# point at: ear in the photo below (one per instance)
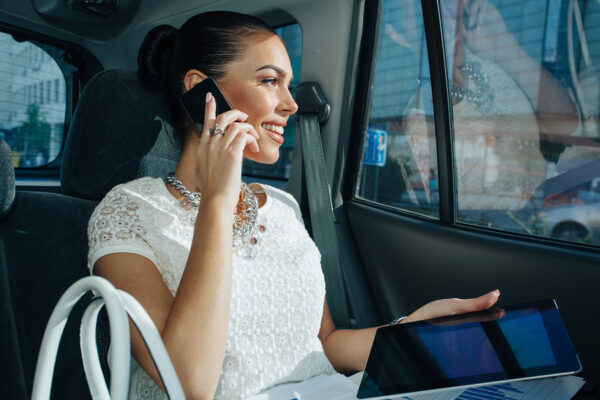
(192, 78)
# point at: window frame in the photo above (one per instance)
(86, 66)
(443, 122)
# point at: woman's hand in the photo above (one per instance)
(219, 157)
(441, 308)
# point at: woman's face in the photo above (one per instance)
(258, 84)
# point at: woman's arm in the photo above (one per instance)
(193, 325)
(348, 349)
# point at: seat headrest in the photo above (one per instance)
(7, 179)
(120, 131)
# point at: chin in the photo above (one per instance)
(263, 157)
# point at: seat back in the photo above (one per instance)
(43, 249)
(119, 132)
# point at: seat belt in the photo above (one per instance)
(313, 111)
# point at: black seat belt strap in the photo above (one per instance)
(314, 111)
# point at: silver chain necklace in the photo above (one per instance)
(191, 198)
(245, 218)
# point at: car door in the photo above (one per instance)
(464, 112)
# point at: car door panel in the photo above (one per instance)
(410, 262)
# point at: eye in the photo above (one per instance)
(270, 81)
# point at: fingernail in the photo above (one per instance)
(497, 292)
(208, 96)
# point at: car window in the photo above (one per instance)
(524, 86)
(524, 80)
(34, 83)
(292, 38)
(399, 164)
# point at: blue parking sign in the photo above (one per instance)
(376, 147)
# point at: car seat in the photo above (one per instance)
(43, 248)
(120, 131)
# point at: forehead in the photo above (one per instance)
(263, 50)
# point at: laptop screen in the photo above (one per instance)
(499, 344)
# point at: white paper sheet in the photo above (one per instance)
(321, 387)
(340, 387)
(559, 388)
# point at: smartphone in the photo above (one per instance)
(194, 100)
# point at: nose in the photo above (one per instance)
(288, 104)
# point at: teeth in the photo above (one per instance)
(274, 128)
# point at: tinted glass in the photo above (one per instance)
(525, 80)
(33, 98)
(399, 165)
(292, 38)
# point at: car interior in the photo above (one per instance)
(75, 121)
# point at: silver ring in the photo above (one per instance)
(215, 130)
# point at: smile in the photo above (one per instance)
(274, 128)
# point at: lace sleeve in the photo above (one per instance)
(115, 227)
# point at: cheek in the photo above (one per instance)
(252, 102)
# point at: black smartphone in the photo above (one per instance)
(194, 100)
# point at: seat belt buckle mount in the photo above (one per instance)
(311, 100)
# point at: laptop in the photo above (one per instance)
(494, 346)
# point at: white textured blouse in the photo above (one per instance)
(276, 298)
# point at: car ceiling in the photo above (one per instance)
(326, 35)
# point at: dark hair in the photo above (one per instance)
(207, 42)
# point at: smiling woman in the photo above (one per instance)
(240, 308)
(219, 311)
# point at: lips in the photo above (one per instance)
(274, 128)
(275, 132)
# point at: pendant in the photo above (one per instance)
(185, 203)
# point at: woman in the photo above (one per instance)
(234, 319)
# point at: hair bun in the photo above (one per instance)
(154, 53)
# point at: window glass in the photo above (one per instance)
(399, 165)
(31, 118)
(292, 38)
(525, 89)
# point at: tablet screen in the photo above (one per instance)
(514, 342)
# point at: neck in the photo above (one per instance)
(187, 169)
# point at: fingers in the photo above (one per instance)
(209, 115)
(229, 117)
(480, 303)
(223, 120)
(242, 140)
(492, 315)
(236, 127)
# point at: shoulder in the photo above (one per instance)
(120, 223)
(141, 186)
(125, 200)
(133, 191)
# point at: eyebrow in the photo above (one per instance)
(274, 68)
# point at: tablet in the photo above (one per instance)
(493, 346)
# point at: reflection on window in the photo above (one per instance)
(399, 166)
(31, 119)
(525, 89)
(292, 38)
